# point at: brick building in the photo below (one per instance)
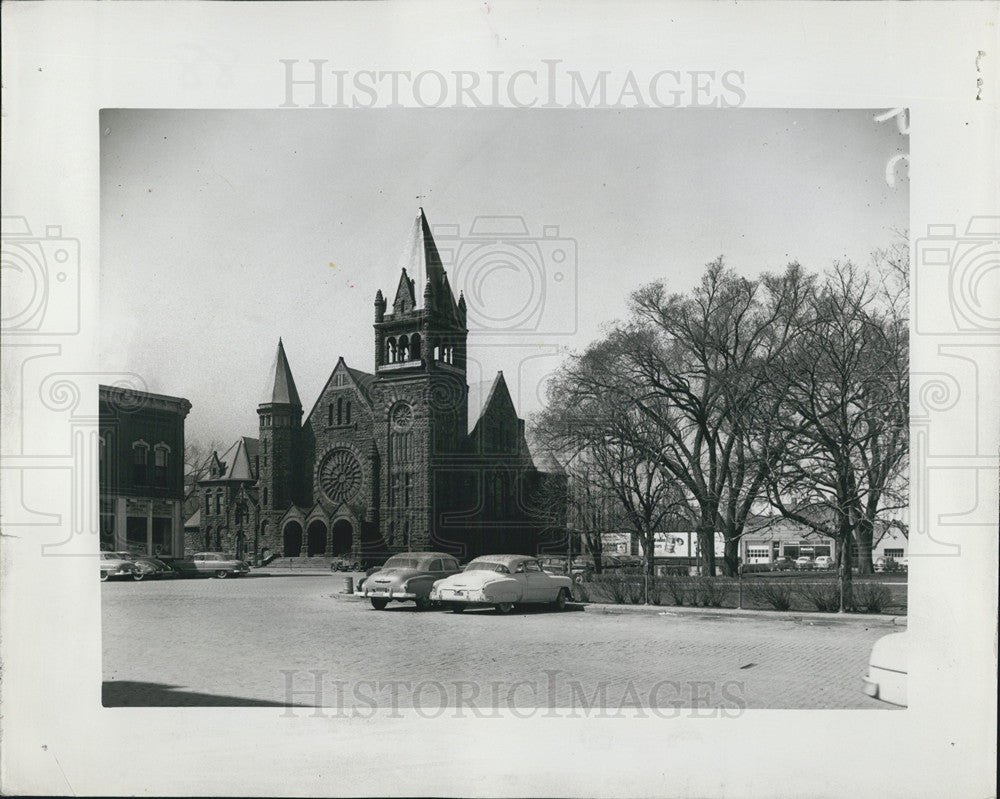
(408, 458)
(141, 471)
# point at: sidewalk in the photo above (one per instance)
(777, 615)
(870, 619)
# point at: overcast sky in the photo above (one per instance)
(223, 230)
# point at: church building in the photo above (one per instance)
(409, 458)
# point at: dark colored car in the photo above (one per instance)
(211, 564)
(147, 566)
(345, 565)
(408, 578)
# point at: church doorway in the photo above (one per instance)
(293, 540)
(317, 538)
(343, 537)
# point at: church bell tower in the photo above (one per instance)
(420, 380)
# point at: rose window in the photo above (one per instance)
(340, 475)
(402, 417)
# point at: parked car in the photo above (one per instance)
(825, 562)
(782, 564)
(503, 581)
(890, 564)
(553, 564)
(887, 670)
(630, 562)
(804, 563)
(345, 565)
(148, 566)
(408, 578)
(114, 565)
(217, 564)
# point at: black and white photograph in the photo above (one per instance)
(499, 400)
(653, 409)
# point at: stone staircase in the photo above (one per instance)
(303, 562)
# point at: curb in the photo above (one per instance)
(675, 610)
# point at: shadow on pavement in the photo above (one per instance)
(126, 693)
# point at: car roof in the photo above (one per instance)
(506, 560)
(424, 555)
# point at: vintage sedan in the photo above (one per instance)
(408, 578)
(148, 566)
(886, 678)
(211, 564)
(114, 565)
(503, 581)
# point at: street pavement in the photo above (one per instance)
(286, 640)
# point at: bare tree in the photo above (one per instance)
(843, 394)
(693, 368)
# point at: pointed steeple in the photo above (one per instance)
(421, 257)
(281, 388)
(432, 259)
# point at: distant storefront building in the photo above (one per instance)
(141, 471)
(770, 539)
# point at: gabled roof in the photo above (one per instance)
(281, 386)
(546, 463)
(239, 461)
(405, 301)
(362, 380)
(483, 395)
(194, 521)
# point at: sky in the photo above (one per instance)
(222, 231)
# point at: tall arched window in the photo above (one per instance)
(404, 349)
(390, 350)
(415, 347)
(340, 410)
(347, 412)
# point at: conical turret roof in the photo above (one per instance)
(281, 387)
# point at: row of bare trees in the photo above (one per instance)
(786, 393)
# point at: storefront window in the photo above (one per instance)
(135, 534)
(162, 538)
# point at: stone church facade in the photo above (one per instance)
(408, 458)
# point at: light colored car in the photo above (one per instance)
(805, 563)
(408, 578)
(825, 562)
(886, 678)
(502, 581)
(212, 564)
(114, 565)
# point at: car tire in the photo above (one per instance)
(561, 599)
(505, 608)
(137, 576)
(380, 604)
(222, 574)
(104, 577)
(457, 607)
(423, 603)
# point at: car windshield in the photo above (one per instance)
(487, 566)
(109, 556)
(402, 562)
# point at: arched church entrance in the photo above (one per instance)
(317, 538)
(293, 540)
(343, 537)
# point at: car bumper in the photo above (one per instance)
(388, 593)
(468, 597)
(885, 685)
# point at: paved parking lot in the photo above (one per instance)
(280, 640)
